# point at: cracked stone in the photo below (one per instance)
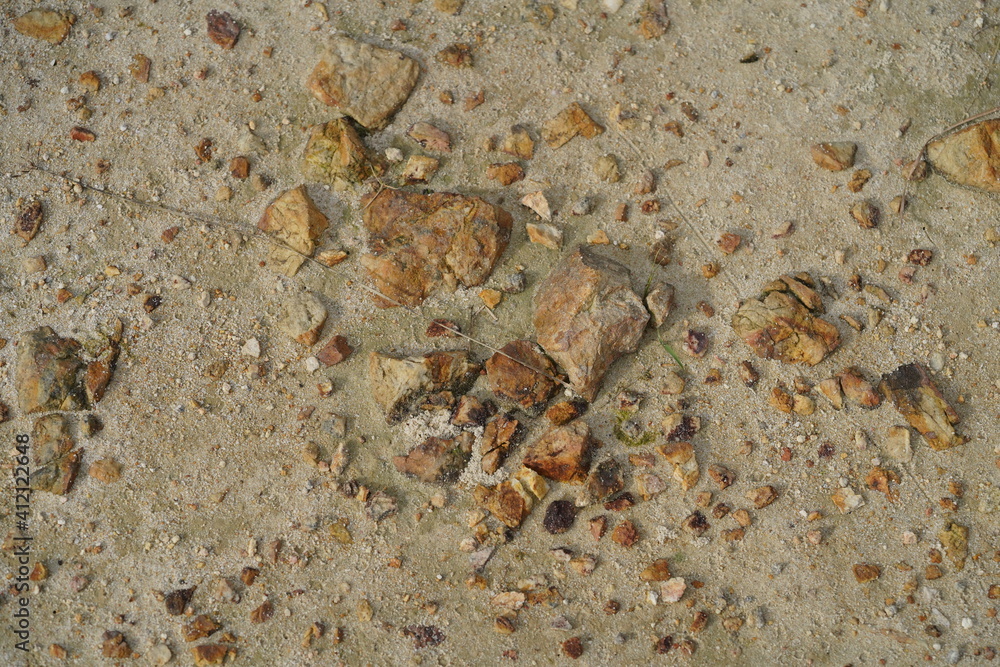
(563, 453)
(918, 399)
(335, 155)
(399, 383)
(437, 460)
(294, 220)
(515, 383)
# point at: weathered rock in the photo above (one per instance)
(177, 601)
(505, 173)
(835, 156)
(537, 202)
(970, 156)
(533, 482)
(398, 383)
(564, 412)
(606, 169)
(419, 169)
(955, 539)
(653, 20)
(696, 524)
(559, 517)
(430, 137)
(681, 456)
(335, 351)
(114, 645)
(866, 214)
(335, 155)
(508, 501)
(917, 398)
(45, 24)
(678, 426)
(211, 654)
(516, 383)
(865, 573)
(762, 496)
(518, 143)
(295, 221)
(302, 317)
(897, 443)
(625, 534)
(56, 462)
(499, 436)
(721, 475)
(563, 453)
(222, 29)
(421, 244)
(29, 219)
(365, 82)
(470, 411)
(604, 481)
(660, 301)
(857, 389)
(568, 123)
(847, 500)
(456, 55)
(437, 460)
(831, 390)
(781, 324)
(649, 485)
(107, 471)
(587, 316)
(549, 236)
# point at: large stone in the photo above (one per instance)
(437, 460)
(421, 244)
(365, 82)
(970, 156)
(45, 24)
(295, 221)
(918, 399)
(302, 317)
(336, 156)
(782, 323)
(515, 382)
(56, 461)
(587, 316)
(397, 383)
(52, 373)
(568, 123)
(563, 454)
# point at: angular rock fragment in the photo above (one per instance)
(29, 219)
(681, 456)
(559, 516)
(508, 501)
(604, 481)
(516, 383)
(518, 143)
(606, 169)
(505, 173)
(678, 427)
(865, 573)
(419, 169)
(201, 626)
(587, 316)
(302, 317)
(653, 20)
(570, 122)
(456, 55)
(782, 325)
(365, 82)
(831, 390)
(658, 571)
(114, 645)
(421, 244)
(897, 444)
(470, 411)
(398, 383)
(295, 221)
(857, 389)
(835, 156)
(917, 398)
(880, 479)
(430, 137)
(537, 202)
(177, 601)
(970, 156)
(335, 155)
(565, 412)
(499, 436)
(763, 496)
(625, 534)
(45, 24)
(866, 215)
(649, 485)
(549, 236)
(955, 539)
(335, 351)
(533, 482)
(721, 475)
(563, 454)
(222, 29)
(437, 460)
(847, 500)
(211, 654)
(56, 463)
(660, 301)
(107, 471)
(695, 523)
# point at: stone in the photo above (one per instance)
(564, 412)
(365, 82)
(44, 24)
(537, 202)
(649, 485)
(681, 456)
(113, 645)
(782, 324)
(296, 223)
(508, 501)
(678, 426)
(568, 123)
(847, 500)
(56, 462)
(969, 156)
(470, 411)
(422, 244)
(918, 399)
(449, 6)
(762, 496)
(210, 654)
(897, 443)
(302, 317)
(533, 482)
(159, 654)
(517, 384)
(606, 169)
(437, 460)
(604, 481)
(559, 517)
(625, 534)
(549, 236)
(430, 137)
(335, 351)
(239, 168)
(563, 453)
(660, 301)
(106, 470)
(456, 55)
(222, 29)
(505, 173)
(857, 389)
(34, 264)
(955, 538)
(201, 626)
(335, 155)
(721, 475)
(251, 348)
(653, 20)
(29, 220)
(586, 316)
(865, 214)
(831, 391)
(865, 573)
(499, 436)
(398, 383)
(177, 601)
(834, 156)
(419, 169)
(518, 143)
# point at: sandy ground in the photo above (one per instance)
(210, 466)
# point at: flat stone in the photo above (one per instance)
(570, 122)
(897, 443)
(834, 156)
(302, 317)
(918, 399)
(549, 236)
(563, 453)
(604, 481)
(537, 202)
(296, 222)
(422, 244)
(499, 437)
(783, 325)
(681, 456)
(419, 169)
(335, 351)
(430, 137)
(857, 389)
(660, 301)
(335, 155)
(970, 156)
(365, 82)
(587, 316)
(45, 24)
(398, 383)
(56, 462)
(437, 460)
(508, 501)
(29, 220)
(515, 383)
